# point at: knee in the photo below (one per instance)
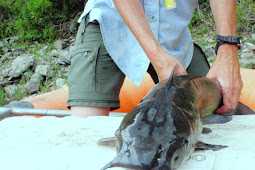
(84, 111)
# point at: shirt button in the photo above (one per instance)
(153, 18)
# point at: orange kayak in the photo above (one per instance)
(130, 94)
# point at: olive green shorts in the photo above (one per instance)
(95, 80)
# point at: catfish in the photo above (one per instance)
(163, 130)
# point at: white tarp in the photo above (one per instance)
(50, 143)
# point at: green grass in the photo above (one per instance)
(3, 100)
(203, 28)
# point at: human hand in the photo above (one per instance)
(226, 70)
(164, 64)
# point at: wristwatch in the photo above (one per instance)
(227, 40)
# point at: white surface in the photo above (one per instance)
(49, 143)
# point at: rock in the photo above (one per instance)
(253, 36)
(11, 90)
(5, 57)
(20, 65)
(43, 50)
(64, 57)
(45, 47)
(59, 44)
(247, 63)
(247, 55)
(10, 40)
(71, 39)
(73, 26)
(1, 44)
(249, 46)
(34, 84)
(246, 50)
(18, 51)
(7, 40)
(210, 51)
(13, 39)
(6, 49)
(54, 53)
(66, 69)
(5, 72)
(60, 83)
(43, 70)
(9, 54)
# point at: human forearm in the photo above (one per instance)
(133, 15)
(224, 12)
(226, 67)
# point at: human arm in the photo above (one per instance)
(226, 67)
(133, 15)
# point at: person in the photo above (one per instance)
(129, 37)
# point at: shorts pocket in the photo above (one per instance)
(82, 72)
(109, 77)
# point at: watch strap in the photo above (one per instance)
(226, 40)
(218, 44)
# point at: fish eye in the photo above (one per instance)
(185, 143)
(176, 158)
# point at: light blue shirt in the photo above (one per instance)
(170, 27)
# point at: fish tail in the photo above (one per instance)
(242, 109)
(202, 145)
(216, 119)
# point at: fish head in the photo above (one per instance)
(180, 151)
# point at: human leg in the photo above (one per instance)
(199, 64)
(94, 79)
(83, 111)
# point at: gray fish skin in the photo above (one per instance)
(163, 130)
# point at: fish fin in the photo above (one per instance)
(206, 130)
(242, 109)
(216, 119)
(202, 145)
(107, 141)
(160, 85)
(172, 76)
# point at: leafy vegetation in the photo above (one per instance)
(203, 18)
(246, 16)
(2, 97)
(35, 19)
(42, 19)
(203, 28)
